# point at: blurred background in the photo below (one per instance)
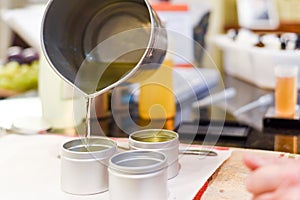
(203, 20)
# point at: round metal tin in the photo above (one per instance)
(162, 140)
(84, 165)
(138, 175)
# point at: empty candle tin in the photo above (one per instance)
(161, 140)
(84, 165)
(138, 174)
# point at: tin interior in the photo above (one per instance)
(88, 145)
(136, 162)
(154, 136)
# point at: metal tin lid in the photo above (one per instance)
(154, 138)
(138, 162)
(89, 148)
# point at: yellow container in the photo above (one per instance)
(157, 100)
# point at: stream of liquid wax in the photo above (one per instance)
(89, 101)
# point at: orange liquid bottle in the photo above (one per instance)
(286, 91)
(157, 100)
(286, 96)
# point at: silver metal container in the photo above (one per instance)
(161, 140)
(84, 165)
(96, 45)
(136, 175)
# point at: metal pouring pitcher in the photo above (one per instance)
(94, 45)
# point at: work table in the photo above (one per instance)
(228, 182)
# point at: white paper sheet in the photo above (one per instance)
(30, 169)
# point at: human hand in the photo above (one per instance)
(273, 178)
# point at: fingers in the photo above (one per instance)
(273, 178)
(253, 162)
(265, 196)
(263, 180)
(280, 194)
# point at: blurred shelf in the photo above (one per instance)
(283, 27)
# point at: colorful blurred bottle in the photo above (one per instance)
(157, 100)
(286, 90)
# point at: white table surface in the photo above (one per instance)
(30, 169)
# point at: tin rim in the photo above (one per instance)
(138, 162)
(105, 148)
(148, 133)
